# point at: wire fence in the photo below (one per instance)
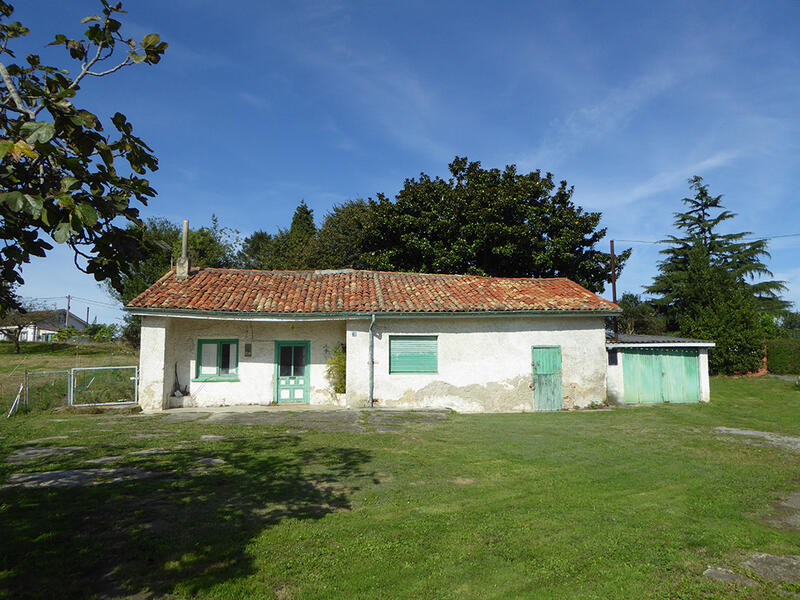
(45, 390)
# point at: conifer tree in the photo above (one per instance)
(700, 226)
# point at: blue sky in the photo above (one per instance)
(258, 105)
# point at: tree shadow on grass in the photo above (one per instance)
(189, 526)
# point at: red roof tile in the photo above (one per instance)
(350, 291)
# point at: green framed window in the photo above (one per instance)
(217, 360)
(413, 354)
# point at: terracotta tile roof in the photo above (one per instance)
(350, 291)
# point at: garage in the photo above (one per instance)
(644, 369)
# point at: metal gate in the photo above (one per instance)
(103, 386)
(81, 386)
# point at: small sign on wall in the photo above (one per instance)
(248, 349)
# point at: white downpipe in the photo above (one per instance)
(371, 363)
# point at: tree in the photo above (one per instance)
(639, 316)
(488, 222)
(712, 304)
(340, 240)
(699, 226)
(62, 176)
(100, 332)
(256, 251)
(292, 248)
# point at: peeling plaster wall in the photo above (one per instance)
(167, 342)
(484, 362)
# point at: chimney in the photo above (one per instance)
(182, 266)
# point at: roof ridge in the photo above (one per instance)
(348, 270)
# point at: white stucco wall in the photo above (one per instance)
(153, 386)
(615, 381)
(484, 362)
(705, 385)
(167, 342)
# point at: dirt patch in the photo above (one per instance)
(103, 460)
(26, 454)
(44, 440)
(75, 477)
(210, 437)
(147, 436)
(211, 462)
(765, 438)
(781, 568)
(179, 417)
(785, 513)
(723, 575)
(463, 481)
(150, 452)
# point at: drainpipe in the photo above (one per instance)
(371, 363)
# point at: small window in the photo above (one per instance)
(413, 354)
(217, 360)
(248, 349)
(612, 358)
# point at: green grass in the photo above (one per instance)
(626, 503)
(45, 356)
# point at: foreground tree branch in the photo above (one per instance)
(61, 175)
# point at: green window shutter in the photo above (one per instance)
(413, 354)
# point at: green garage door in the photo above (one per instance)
(654, 375)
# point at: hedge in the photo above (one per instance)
(783, 356)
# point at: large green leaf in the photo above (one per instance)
(62, 232)
(38, 132)
(5, 147)
(87, 214)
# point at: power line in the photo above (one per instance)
(747, 239)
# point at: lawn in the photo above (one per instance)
(624, 503)
(42, 356)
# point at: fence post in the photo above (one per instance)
(70, 386)
(26, 389)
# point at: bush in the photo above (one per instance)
(783, 356)
(337, 370)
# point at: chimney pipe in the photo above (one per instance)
(182, 266)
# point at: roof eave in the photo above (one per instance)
(176, 312)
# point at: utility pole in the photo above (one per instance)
(87, 315)
(614, 289)
(66, 317)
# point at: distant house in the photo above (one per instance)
(44, 324)
(412, 340)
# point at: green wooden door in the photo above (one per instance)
(654, 375)
(291, 372)
(546, 374)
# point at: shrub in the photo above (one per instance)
(783, 356)
(337, 370)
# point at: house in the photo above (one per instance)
(42, 325)
(214, 337)
(649, 369)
